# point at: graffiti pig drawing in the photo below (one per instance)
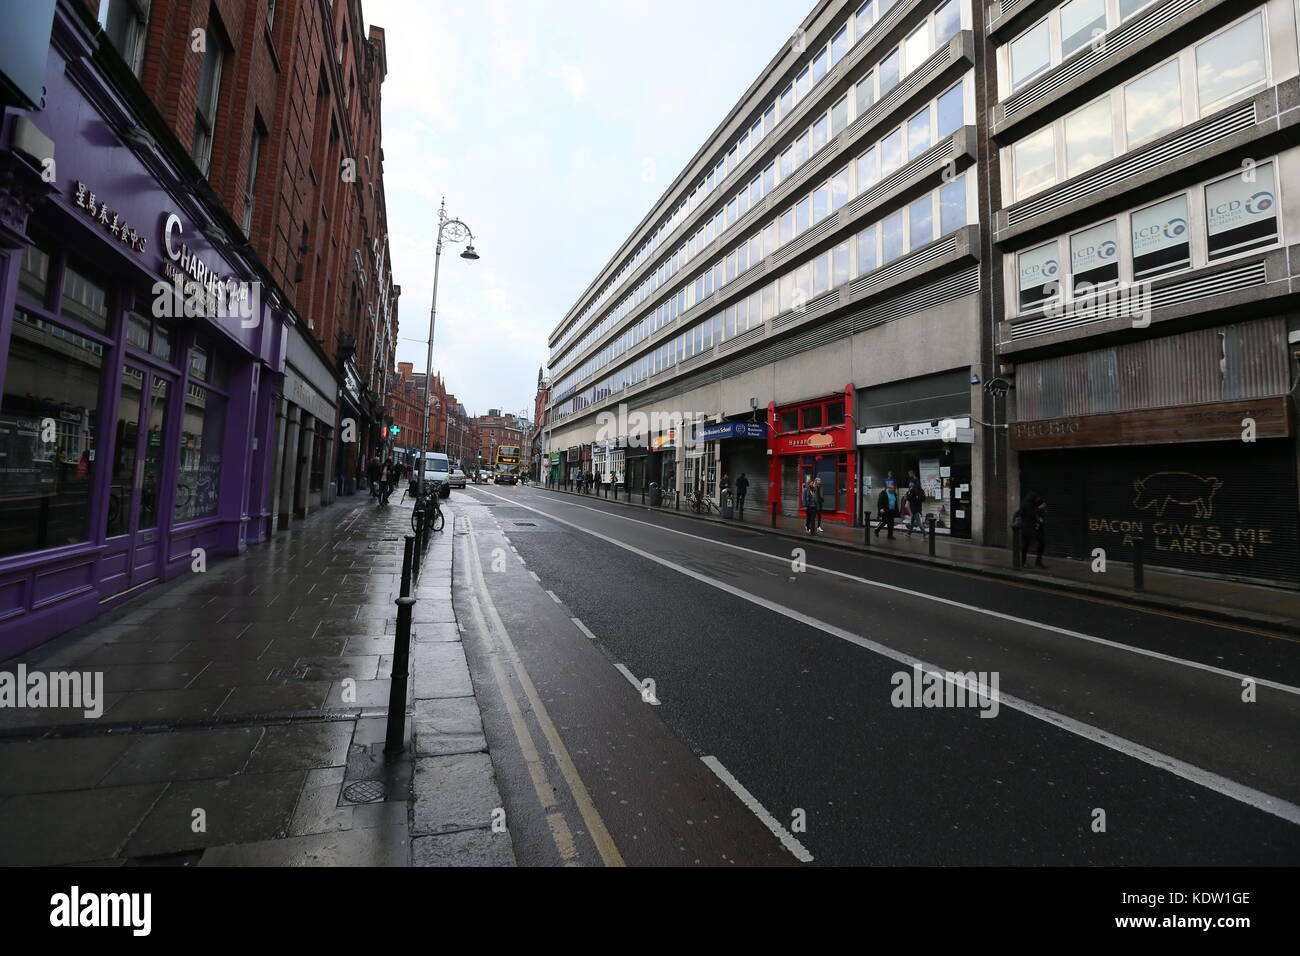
(1180, 487)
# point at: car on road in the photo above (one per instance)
(437, 472)
(503, 478)
(457, 478)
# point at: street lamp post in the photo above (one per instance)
(452, 230)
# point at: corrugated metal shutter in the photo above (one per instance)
(1216, 508)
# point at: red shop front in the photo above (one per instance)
(813, 439)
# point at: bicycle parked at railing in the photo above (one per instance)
(702, 505)
(426, 502)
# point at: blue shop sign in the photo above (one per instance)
(733, 430)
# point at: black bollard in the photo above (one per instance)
(1139, 572)
(930, 522)
(866, 530)
(1015, 548)
(395, 737)
(418, 543)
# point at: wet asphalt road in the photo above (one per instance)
(785, 676)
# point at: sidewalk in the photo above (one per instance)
(244, 716)
(1274, 608)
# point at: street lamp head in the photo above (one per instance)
(469, 252)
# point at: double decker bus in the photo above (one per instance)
(507, 464)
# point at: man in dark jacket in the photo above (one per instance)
(916, 504)
(821, 502)
(372, 475)
(742, 488)
(1031, 521)
(887, 506)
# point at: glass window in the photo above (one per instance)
(790, 421)
(864, 18)
(137, 331)
(50, 373)
(1039, 275)
(892, 235)
(84, 299)
(952, 205)
(868, 170)
(820, 131)
(1088, 137)
(769, 120)
(839, 115)
(801, 84)
(1035, 162)
(34, 274)
(1153, 104)
(891, 152)
(1160, 238)
(801, 212)
(866, 91)
(209, 91)
(840, 264)
(1031, 54)
(918, 133)
(947, 21)
(839, 44)
(819, 65)
(889, 72)
(920, 218)
(787, 100)
(867, 257)
(1231, 65)
(1129, 7)
(821, 202)
(916, 48)
(840, 189)
(801, 150)
(1094, 257)
(769, 178)
(1081, 20)
(951, 111)
(811, 417)
(1241, 212)
(821, 274)
(787, 226)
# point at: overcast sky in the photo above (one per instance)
(551, 126)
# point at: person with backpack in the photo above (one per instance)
(810, 506)
(887, 507)
(1031, 521)
(915, 498)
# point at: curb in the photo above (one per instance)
(1208, 611)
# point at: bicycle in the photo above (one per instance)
(427, 502)
(701, 505)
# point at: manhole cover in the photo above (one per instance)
(367, 791)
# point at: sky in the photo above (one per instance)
(551, 126)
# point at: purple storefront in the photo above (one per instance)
(133, 431)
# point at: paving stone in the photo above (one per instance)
(337, 668)
(441, 671)
(379, 846)
(90, 824)
(184, 755)
(277, 698)
(449, 726)
(68, 763)
(453, 793)
(163, 706)
(302, 746)
(466, 848)
(426, 633)
(362, 693)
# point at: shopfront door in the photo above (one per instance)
(138, 492)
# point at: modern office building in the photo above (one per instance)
(1146, 157)
(811, 294)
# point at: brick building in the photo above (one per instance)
(494, 430)
(278, 103)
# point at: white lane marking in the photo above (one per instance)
(535, 577)
(631, 679)
(554, 597)
(930, 598)
(1205, 778)
(583, 627)
(781, 833)
(521, 559)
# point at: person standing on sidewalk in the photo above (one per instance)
(887, 505)
(385, 481)
(916, 504)
(810, 506)
(820, 495)
(1031, 522)
(742, 488)
(372, 476)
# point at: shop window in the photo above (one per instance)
(1241, 213)
(203, 432)
(790, 421)
(84, 299)
(52, 376)
(835, 413)
(1094, 257)
(811, 417)
(34, 275)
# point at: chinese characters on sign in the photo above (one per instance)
(98, 210)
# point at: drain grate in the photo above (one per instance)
(366, 791)
(287, 673)
(525, 524)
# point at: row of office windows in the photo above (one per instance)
(928, 36)
(1199, 80)
(1189, 229)
(1062, 32)
(937, 213)
(936, 120)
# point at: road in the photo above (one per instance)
(660, 691)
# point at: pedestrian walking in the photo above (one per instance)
(1031, 521)
(742, 489)
(385, 481)
(820, 495)
(810, 507)
(915, 499)
(887, 507)
(372, 476)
